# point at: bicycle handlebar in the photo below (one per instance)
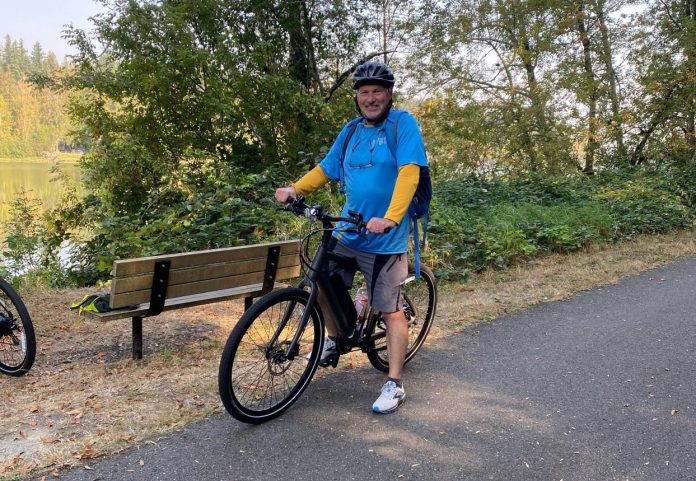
(316, 213)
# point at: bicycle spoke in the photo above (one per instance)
(261, 375)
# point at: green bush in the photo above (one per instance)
(481, 223)
(476, 223)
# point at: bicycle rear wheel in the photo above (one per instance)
(258, 379)
(17, 339)
(420, 302)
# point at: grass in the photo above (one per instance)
(86, 398)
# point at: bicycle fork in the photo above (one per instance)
(7, 321)
(293, 348)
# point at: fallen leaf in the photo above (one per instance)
(16, 461)
(23, 434)
(46, 440)
(674, 412)
(141, 462)
(27, 468)
(88, 452)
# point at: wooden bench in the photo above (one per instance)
(147, 286)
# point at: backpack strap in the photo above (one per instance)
(352, 125)
(419, 244)
(392, 139)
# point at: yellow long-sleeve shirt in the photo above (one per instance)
(405, 188)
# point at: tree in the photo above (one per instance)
(32, 120)
(665, 65)
(195, 108)
(591, 86)
(585, 73)
(499, 53)
(37, 58)
(606, 54)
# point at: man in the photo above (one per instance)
(380, 186)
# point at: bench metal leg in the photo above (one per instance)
(137, 337)
(248, 301)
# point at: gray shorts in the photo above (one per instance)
(384, 273)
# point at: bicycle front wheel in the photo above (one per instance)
(17, 339)
(259, 377)
(420, 302)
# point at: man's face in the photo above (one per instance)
(373, 101)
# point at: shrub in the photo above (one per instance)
(480, 223)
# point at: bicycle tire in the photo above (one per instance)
(420, 303)
(256, 383)
(17, 338)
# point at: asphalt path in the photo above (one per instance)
(597, 387)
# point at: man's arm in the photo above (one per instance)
(405, 188)
(310, 182)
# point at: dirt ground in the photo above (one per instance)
(85, 397)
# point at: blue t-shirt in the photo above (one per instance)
(370, 173)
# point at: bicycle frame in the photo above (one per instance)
(317, 278)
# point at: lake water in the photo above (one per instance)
(36, 179)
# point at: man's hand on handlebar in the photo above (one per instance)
(379, 225)
(285, 194)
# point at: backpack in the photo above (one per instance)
(420, 204)
(92, 303)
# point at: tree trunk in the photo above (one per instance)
(591, 84)
(690, 17)
(385, 28)
(606, 55)
(299, 56)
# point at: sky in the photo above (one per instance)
(43, 21)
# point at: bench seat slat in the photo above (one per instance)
(191, 288)
(185, 301)
(199, 273)
(144, 265)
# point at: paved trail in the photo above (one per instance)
(598, 387)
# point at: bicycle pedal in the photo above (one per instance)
(330, 361)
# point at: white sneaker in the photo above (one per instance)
(391, 398)
(329, 353)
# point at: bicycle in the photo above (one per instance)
(274, 350)
(17, 339)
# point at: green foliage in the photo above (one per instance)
(196, 110)
(203, 210)
(480, 223)
(30, 257)
(21, 248)
(642, 201)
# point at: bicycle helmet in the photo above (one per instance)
(370, 73)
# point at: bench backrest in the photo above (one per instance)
(202, 271)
